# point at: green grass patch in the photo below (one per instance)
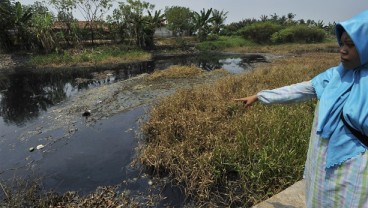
(224, 42)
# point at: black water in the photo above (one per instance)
(94, 156)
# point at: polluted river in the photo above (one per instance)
(78, 129)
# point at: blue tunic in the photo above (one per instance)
(344, 185)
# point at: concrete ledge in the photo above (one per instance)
(292, 197)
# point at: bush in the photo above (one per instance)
(212, 37)
(223, 42)
(260, 32)
(299, 33)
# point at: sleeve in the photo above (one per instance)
(288, 94)
(320, 81)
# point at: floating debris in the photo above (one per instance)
(128, 130)
(40, 146)
(86, 113)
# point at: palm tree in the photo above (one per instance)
(264, 18)
(290, 17)
(218, 20)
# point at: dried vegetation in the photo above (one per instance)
(23, 193)
(225, 155)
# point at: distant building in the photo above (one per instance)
(163, 32)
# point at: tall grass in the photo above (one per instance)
(227, 155)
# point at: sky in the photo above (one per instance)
(328, 11)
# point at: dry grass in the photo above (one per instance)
(224, 154)
(174, 41)
(22, 193)
(176, 72)
(295, 49)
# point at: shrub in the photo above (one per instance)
(299, 33)
(224, 42)
(212, 37)
(260, 32)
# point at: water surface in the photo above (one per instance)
(97, 155)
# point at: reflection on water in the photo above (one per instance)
(234, 63)
(26, 93)
(96, 155)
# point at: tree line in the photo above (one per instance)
(37, 29)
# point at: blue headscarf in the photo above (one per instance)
(346, 90)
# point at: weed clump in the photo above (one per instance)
(227, 155)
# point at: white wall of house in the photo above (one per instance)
(163, 32)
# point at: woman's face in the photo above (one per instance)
(349, 55)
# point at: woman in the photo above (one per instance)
(336, 170)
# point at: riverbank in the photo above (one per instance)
(189, 90)
(11, 61)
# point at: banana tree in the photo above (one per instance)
(21, 22)
(202, 22)
(14, 19)
(6, 24)
(42, 30)
(152, 22)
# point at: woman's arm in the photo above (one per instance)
(288, 94)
